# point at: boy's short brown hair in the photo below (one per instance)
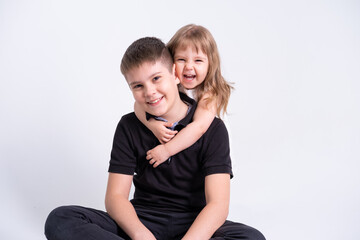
(147, 49)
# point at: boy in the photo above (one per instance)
(185, 198)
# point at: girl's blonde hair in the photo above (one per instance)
(215, 85)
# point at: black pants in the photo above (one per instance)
(75, 222)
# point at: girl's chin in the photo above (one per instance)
(188, 85)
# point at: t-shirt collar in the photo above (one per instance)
(186, 120)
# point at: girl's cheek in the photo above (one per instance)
(177, 70)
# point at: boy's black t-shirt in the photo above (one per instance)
(177, 185)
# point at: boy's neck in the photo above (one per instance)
(178, 111)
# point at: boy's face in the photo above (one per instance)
(154, 87)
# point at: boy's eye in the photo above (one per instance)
(198, 60)
(180, 60)
(156, 78)
(136, 86)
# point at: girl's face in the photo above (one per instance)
(191, 66)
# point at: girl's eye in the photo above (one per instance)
(180, 60)
(198, 60)
(156, 78)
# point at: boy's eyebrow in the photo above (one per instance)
(154, 74)
(134, 83)
(139, 82)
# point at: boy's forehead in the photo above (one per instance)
(146, 70)
(150, 67)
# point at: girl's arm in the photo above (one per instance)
(158, 128)
(203, 117)
(214, 214)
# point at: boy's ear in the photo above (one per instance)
(175, 75)
(177, 80)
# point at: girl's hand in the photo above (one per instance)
(161, 131)
(157, 155)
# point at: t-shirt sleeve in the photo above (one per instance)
(216, 154)
(123, 159)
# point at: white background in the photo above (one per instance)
(293, 118)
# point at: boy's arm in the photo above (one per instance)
(214, 214)
(121, 210)
(158, 128)
(203, 117)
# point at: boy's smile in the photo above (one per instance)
(154, 87)
(155, 102)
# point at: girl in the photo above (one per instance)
(197, 65)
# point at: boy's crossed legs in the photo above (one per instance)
(75, 222)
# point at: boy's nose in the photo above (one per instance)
(150, 90)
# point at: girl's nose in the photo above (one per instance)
(188, 65)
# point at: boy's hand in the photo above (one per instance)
(157, 155)
(161, 131)
(144, 236)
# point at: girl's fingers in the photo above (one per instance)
(171, 132)
(168, 124)
(166, 139)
